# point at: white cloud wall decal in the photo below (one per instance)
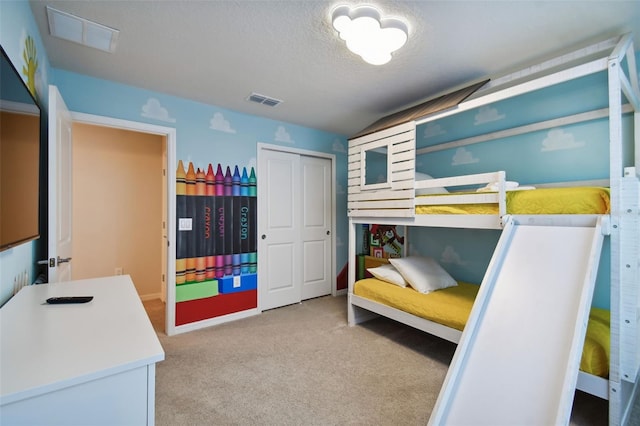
(449, 255)
(282, 135)
(462, 156)
(487, 114)
(432, 130)
(153, 109)
(557, 140)
(219, 123)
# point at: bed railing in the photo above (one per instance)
(495, 178)
(393, 191)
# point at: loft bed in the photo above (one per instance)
(395, 199)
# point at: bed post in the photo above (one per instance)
(351, 277)
(351, 273)
(625, 353)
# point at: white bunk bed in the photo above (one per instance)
(394, 201)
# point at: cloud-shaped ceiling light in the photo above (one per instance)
(369, 35)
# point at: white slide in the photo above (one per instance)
(518, 358)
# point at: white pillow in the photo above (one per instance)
(493, 186)
(425, 191)
(423, 273)
(389, 274)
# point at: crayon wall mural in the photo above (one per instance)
(216, 246)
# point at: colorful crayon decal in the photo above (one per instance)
(216, 238)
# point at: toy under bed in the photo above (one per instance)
(566, 200)
(451, 307)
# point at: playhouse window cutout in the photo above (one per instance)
(376, 166)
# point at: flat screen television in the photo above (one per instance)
(19, 159)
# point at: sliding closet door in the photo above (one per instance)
(295, 223)
(279, 245)
(316, 226)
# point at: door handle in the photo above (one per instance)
(63, 260)
(328, 232)
(51, 262)
(264, 237)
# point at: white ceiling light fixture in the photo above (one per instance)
(79, 30)
(368, 34)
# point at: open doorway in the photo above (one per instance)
(122, 208)
(118, 222)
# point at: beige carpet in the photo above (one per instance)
(302, 365)
(156, 312)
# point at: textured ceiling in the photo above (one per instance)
(218, 52)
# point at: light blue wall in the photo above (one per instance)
(573, 152)
(567, 153)
(16, 24)
(207, 133)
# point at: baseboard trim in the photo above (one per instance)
(215, 321)
(151, 296)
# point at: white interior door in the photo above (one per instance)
(279, 254)
(60, 173)
(317, 207)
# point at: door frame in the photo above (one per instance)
(169, 165)
(261, 148)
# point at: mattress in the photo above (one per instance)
(573, 200)
(452, 306)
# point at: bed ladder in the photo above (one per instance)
(518, 358)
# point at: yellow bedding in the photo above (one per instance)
(575, 200)
(595, 353)
(452, 306)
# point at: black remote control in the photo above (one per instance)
(69, 299)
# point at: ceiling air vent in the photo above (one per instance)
(264, 100)
(79, 30)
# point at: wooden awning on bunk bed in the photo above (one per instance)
(440, 103)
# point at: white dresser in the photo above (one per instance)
(78, 364)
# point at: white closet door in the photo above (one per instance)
(279, 243)
(295, 213)
(316, 226)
